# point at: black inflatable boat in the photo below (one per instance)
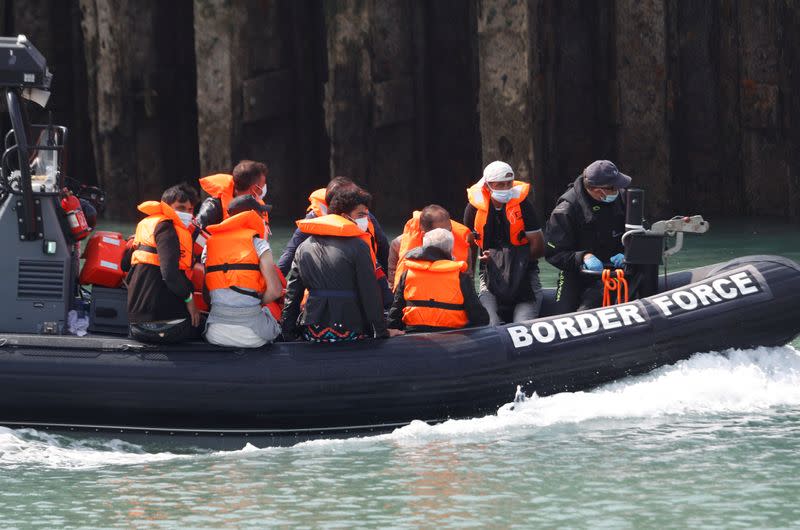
(301, 389)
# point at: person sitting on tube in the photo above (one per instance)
(318, 206)
(337, 266)
(509, 235)
(434, 292)
(241, 277)
(429, 218)
(248, 178)
(584, 233)
(161, 308)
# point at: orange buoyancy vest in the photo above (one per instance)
(433, 294)
(316, 202)
(220, 186)
(336, 225)
(231, 259)
(144, 241)
(480, 198)
(318, 205)
(412, 238)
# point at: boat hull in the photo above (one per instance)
(302, 389)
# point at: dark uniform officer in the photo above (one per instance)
(584, 232)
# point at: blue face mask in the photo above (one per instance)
(610, 198)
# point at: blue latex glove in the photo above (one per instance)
(618, 260)
(591, 263)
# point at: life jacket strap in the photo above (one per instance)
(434, 304)
(246, 292)
(146, 248)
(225, 267)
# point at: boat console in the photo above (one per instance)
(39, 259)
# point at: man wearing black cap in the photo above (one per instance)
(584, 232)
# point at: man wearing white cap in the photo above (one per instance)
(584, 232)
(509, 235)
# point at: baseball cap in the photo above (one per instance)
(603, 173)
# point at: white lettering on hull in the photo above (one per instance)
(678, 302)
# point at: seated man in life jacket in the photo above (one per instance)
(429, 218)
(584, 232)
(318, 206)
(510, 238)
(434, 292)
(161, 308)
(241, 277)
(248, 178)
(336, 264)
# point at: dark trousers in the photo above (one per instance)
(163, 333)
(577, 292)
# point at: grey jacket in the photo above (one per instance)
(340, 278)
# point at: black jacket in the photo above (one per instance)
(210, 212)
(158, 293)
(476, 313)
(579, 224)
(381, 241)
(340, 277)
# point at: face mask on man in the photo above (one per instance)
(502, 196)
(186, 218)
(610, 198)
(261, 194)
(363, 223)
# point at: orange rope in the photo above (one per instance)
(618, 285)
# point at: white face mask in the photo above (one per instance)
(363, 223)
(502, 196)
(186, 218)
(263, 191)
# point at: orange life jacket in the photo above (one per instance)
(433, 294)
(480, 198)
(231, 259)
(336, 225)
(220, 186)
(316, 202)
(144, 241)
(412, 238)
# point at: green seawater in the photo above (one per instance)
(711, 442)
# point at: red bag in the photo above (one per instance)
(103, 255)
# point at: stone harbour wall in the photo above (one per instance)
(698, 101)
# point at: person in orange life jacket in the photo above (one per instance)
(241, 277)
(336, 265)
(318, 206)
(248, 178)
(434, 292)
(507, 227)
(429, 218)
(182, 198)
(584, 232)
(160, 304)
